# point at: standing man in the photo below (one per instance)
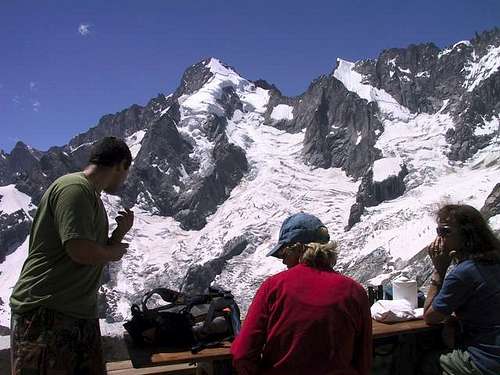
(308, 319)
(54, 303)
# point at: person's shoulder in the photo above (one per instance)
(349, 283)
(474, 267)
(346, 279)
(73, 184)
(355, 286)
(464, 271)
(72, 179)
(464, 267)
(281, 278)
(278, 276)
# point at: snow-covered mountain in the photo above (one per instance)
(371, 148)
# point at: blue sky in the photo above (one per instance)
(64, 64)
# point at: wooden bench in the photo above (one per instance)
(126, 368)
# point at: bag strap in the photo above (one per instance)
(168, 295)
(235, 318)
(217, 304)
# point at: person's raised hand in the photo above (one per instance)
(439, 255)
(125, 220)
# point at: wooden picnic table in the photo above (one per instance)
(161, 361)
(381, 330)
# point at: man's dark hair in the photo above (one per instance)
(479, 240)
(110, 151)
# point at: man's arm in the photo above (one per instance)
(74, 209)
(125, 220)
(91, 253)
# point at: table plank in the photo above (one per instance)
(126, 368)
(120, 365)
(156, 356)
(145, 357)
(208, 354)
(392, 329)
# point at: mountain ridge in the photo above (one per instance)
(373, 145)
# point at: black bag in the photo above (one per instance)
(188, 321)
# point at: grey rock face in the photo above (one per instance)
(262, 83)
(397, 72)
(194, 78)
(118, 125)
(421, 77)
(22, 168)
(14, 229)
(158, 166)
(23, 159)
(371, 193)
(476, 106)
(124, 123)
(230, 101)
(199, 277)
(492, 204)
(5, 175)
(340, 127)
(471, 111)
(214, 126)
(420, 267)
(377, 262)
(276, 98)
(230, 165)
(156, 178)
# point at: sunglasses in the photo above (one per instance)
(284, 251)
(443, 230)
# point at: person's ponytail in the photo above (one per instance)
(319, 255)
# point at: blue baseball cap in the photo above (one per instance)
(303, 228)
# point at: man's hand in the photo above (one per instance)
(117, 251)
(440, 256)
(125, 220)
(91, 253)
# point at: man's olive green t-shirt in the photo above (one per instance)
(70, 209)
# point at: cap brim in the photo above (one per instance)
(275, 249)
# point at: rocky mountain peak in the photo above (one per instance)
(219, 163)
(194, 78)
(23, 158)
(484, 40)
(262, 83)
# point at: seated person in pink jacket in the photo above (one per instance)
(308, 319)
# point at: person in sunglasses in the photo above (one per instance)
(308, 319)
(470, 291)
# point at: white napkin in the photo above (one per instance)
(397, 310)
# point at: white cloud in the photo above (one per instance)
(36, 105)
(33, 86)
(16, 100)
(84, 29)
